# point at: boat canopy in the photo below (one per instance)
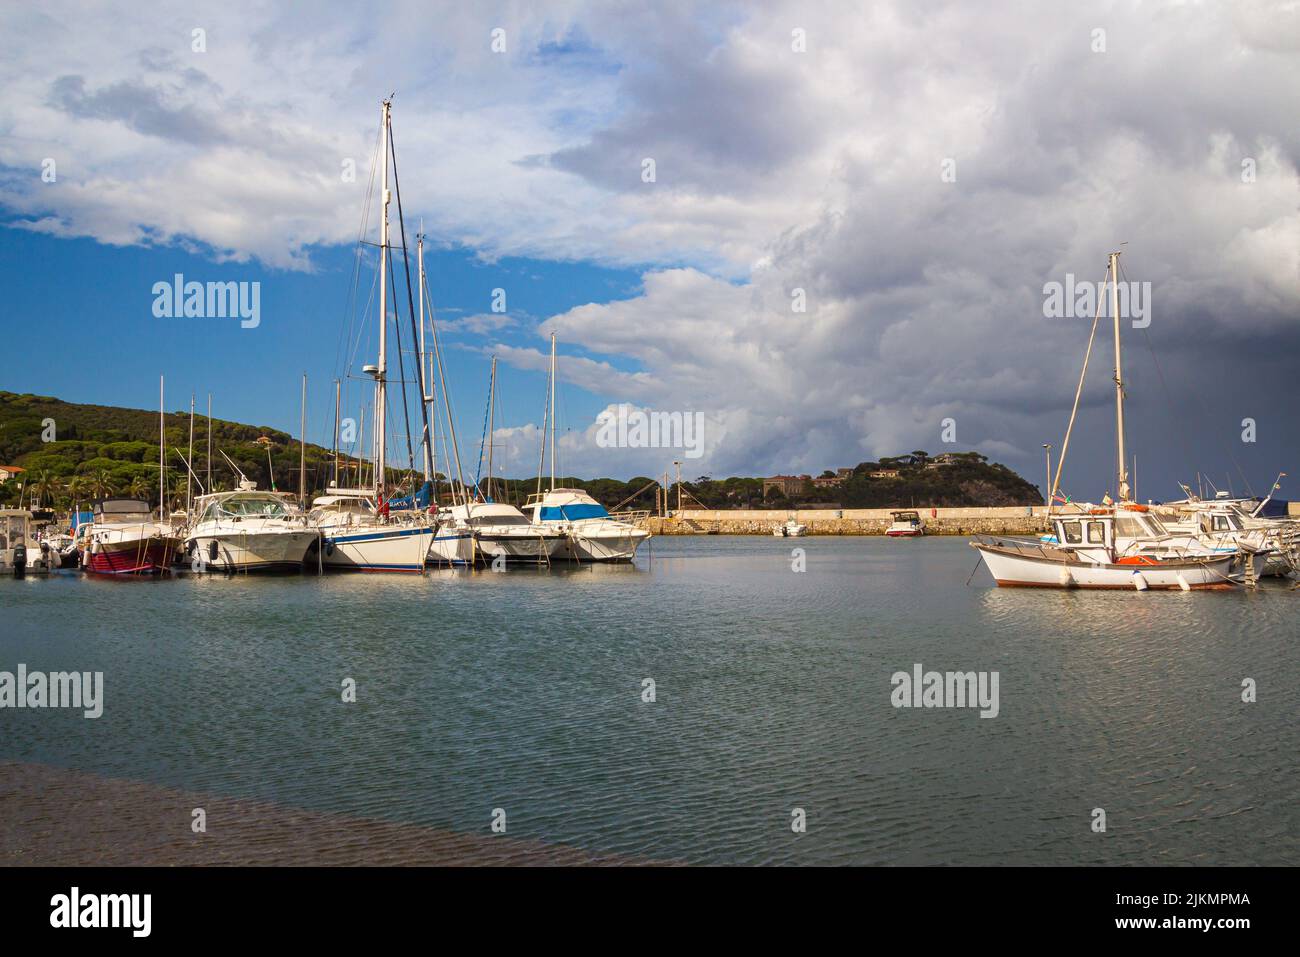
(419, 500)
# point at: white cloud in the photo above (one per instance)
(776, 170)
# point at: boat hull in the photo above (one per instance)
(250, 551)
(1013, 569)
(519, 549)
(601, 544)
(381, 549)
(451, 547)
(145, 556)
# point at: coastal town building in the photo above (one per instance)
(9, 471)
(884, 474)
(787, 485)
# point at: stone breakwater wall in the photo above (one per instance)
(1017, 520)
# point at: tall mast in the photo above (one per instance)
(337, 397)
(162, 461)
(451, 422)
(1122, 470)
(492, 395)
(552, 412)
(302, 453)
(425, 397)
(381, 396)
(209, 486)
(188, 470)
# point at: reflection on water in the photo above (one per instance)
(522, 690)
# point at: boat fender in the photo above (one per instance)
(1139, 582)
(1066, 578)
(1182, 582)
(212, 550)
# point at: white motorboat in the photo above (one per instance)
(790, 529)
(1275, 542)
(590, 533)
(906, 524)
(501, 531)
(248, 530)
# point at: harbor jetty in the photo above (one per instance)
(1004, 520)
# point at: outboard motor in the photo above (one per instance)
(20, 561)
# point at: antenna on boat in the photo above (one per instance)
(242, 477)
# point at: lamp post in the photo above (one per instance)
(1048, 498)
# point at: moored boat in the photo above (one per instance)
(248, 530)
(906, 524)
(126, 539)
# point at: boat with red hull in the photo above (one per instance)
(125, 539)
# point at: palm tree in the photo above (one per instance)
(139, 487)
(76, 488)
(101, 484)
(43, 486)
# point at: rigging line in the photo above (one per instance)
(355, 280)
(1065, 445)
(401, 364)
(410, 299)
(1205, 412)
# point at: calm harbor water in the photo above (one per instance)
(523, 691)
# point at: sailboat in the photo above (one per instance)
(361, 529)
(1119, 544)
(591, 533)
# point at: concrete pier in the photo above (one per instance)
(1013, 520)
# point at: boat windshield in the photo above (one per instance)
(485, 520)
(259, 507)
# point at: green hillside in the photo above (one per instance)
(102, 450)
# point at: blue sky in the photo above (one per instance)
(854, 214)
(82, 314)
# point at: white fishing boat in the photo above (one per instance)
(905, 524)
(248, 530)
(362, 529)
(790, 529)
(1116, 545)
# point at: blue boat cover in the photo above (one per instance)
(420, 500)
(572, 513)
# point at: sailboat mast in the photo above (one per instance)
(338, 395)
(162, 461)
(302, 453)
(552, 412)
(209, 486)
(492, 393)
(188, 470)
(424, 396)
(1122, 470)
(381, 397)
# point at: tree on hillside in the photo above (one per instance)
(100, 483)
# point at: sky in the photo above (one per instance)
(843, 252)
